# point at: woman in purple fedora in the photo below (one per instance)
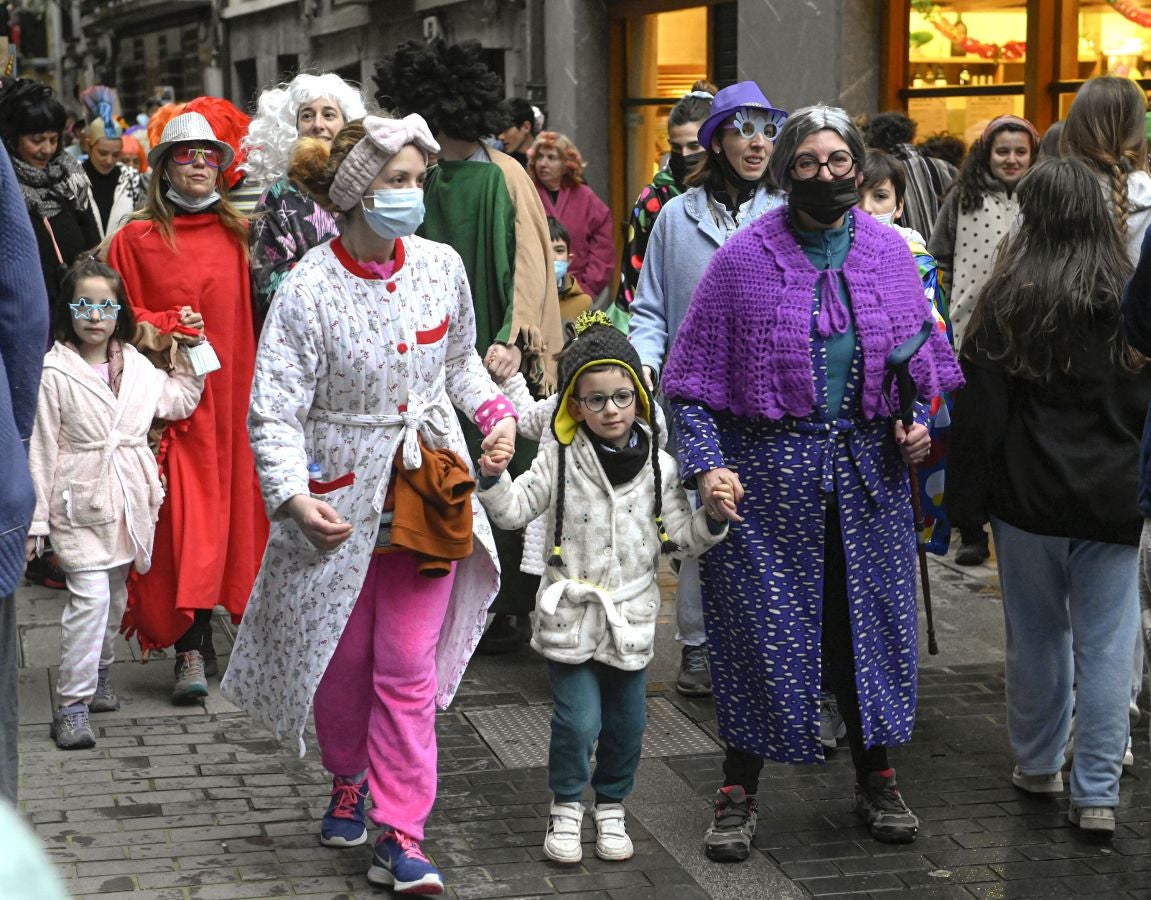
(776, 380)
(729, 188)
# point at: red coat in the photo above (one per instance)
(588, 221)
(212, 529)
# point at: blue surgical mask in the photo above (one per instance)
(887, 218)
(561, 266)
(396, 213)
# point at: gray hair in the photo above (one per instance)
(801, 125)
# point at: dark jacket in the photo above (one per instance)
(1137, 326)
(1054, 458)
(23, 337)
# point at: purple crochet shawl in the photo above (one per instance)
(745, 344)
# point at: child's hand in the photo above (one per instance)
(30, 545)
(724, 494)
(495, 460)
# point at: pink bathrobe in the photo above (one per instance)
(97, 489)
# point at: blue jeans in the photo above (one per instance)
(1072, 612)
(595, 702)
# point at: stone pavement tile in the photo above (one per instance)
(240, 890)
(185, 878)
(99, 884)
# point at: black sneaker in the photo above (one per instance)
(973, 554)
(694, 679)
(728, 839)
(888, 818)
(43, 570)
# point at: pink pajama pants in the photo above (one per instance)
(375, 707)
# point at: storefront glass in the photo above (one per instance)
(967, 60)
(966, 63)
(666, 53)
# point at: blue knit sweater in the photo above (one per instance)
(23, 340)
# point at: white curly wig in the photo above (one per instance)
(273, 131)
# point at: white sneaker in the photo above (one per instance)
(1038, 784)
(611, 840)
(1128, 756)
(562, 842)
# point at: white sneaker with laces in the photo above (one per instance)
(562, 842)
(611, 840)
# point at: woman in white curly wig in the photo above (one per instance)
(289, 222)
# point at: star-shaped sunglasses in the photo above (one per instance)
(85, 306)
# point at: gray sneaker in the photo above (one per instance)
(832, 728)
(888, 818)
(728, 839)
(694, 679)
(105, 699)
(71, 729)
(191, 684)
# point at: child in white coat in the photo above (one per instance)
(98, 491)
(613, 502)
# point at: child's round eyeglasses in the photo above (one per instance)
(83, 308)
(185, 156)
(596, 402)
(806, 166)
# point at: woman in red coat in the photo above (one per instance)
(556, 167)
(184, 260)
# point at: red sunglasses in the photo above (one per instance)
(185, 156)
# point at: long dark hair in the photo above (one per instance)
(1060, 276)
(64, 325)
(975, 178)
(1106, 129)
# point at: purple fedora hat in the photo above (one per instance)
(744, 95)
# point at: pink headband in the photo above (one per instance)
(383, 140)
(999, 121)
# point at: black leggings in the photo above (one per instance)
(199, 633)
(838, 654)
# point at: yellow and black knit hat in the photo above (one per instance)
(599, 343)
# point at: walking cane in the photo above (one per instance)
(899, 371)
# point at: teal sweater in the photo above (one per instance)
(828, 250)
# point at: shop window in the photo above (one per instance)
(666, 53)
(966, 62)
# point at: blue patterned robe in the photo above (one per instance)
(763, 585)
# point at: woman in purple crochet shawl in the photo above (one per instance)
(776, 375)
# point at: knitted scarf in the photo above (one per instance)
(46, 191)
(745, 345)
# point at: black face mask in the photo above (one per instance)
(745, 187)
(824, 201)
(679, 165)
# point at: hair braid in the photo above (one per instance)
(666, 544)
(1118, 177)
(556, 559)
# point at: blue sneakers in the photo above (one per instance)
(343, 824)
(400, 863)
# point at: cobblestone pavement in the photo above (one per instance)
(198, 804)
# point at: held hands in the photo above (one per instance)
(720, 492)
(320, 523)
(503, 361)
(499, 447)
(189, 319)
(30, 546)
(914, 442)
